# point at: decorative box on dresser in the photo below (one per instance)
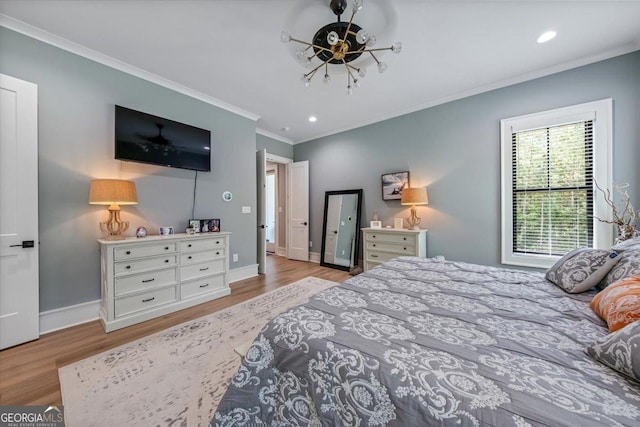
(156, 275)
(383, 244)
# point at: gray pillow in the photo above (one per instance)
(620, 350)
(581, 269)
(628, 265)
(627, 244)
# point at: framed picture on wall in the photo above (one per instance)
(393, 184)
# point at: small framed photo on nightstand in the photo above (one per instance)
(376, 224)
(397, 223)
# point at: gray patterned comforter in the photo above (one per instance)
(418, 342)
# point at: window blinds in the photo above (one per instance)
(552, 171)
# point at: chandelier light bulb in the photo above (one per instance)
(300, 53)
(349, 90)
(326, 79)
(362, 37)
(285, 37)
(371, 41)
(357, 5)
(307, 82)
(362, 72)
(382, 67)
(333, 38)
(397, 47)
(356, 83)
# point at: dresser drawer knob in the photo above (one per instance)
(404, 249)
(166, 260)
(217, 253)
(404, 238)
(128, 267)
(189, 257)
(204, 269)
(148, 280)
(149, 299)
(189, 245)
(204, 286)
(166, 248)
(374, 245)
(128, 252)
(374, 256)
(373, 236)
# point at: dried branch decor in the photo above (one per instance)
(624, 219)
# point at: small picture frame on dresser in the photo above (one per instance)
(398, 223)
(165, 231)
(375, 224)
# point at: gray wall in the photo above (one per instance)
(273, 146)
(76, 125)
(454, 150)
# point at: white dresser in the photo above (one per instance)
(383, 244)
(156, 275)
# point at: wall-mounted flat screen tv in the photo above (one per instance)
(143, 138)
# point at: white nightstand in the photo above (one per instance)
(383, 244)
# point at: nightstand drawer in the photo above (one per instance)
(144, 301)
(196, 245)
(128, 252)
(400, 250)
(139, 282)
(201, 270)
(201, 286)
(194, 257)
(391, 238)
(144, 264)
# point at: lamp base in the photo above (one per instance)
(114, 226)
(413, 220)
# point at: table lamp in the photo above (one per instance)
(113, 193)
(413, 197)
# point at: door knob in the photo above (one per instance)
(24, 244)
(304, 223)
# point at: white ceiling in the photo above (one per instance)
(229, 51)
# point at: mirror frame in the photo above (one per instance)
(327, 194)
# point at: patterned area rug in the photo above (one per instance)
(175, 377)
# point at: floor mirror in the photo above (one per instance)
(341, 229)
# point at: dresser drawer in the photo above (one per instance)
(194, 257)
(144, 301)
(196, 245)
(201, 270)
(139, 282)
(144, 264)
(376, 256)
(201, 286)
(391, 238)
(406, 250)
(128, 252)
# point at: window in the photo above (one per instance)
(549, 161)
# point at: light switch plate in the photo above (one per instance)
(246, 209)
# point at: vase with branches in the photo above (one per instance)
(624, 218)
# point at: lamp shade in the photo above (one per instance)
(112, 191)
(414, 196)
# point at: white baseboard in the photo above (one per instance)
(65, 317)
(314, 257)
(242, 273)
(280, 251)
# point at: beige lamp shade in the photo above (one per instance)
(414, 196)
(112, 192)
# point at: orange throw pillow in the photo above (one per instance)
(619, 303)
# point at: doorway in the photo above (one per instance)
(271, 202)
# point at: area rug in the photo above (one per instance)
(175, 377)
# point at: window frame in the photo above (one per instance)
(601, 112)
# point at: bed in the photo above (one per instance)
(420, 342)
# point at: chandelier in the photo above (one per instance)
(339, 43)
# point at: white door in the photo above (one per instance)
(19, 305)
(298, 211)
(261, 178)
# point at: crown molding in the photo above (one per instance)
(620, 50)
(274, 136)
(85, 52)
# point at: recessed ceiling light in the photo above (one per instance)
(285, 129)
(546, 36)
(312, 119)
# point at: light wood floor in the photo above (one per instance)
(29, 372)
